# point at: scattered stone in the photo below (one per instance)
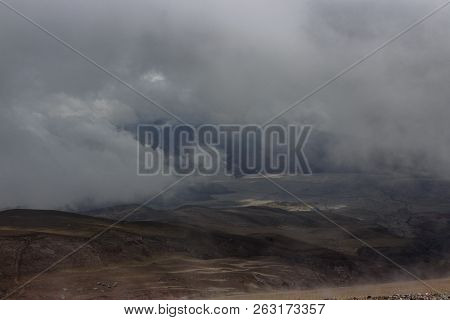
(108, 285)
(412, 296)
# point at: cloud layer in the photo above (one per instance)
(64, 135)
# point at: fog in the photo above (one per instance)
(66, 128)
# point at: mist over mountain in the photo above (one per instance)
(67, 134)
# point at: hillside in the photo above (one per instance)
(198, 252)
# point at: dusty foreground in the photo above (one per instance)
(411, 290)
(197, 252)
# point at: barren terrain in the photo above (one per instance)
(199, 252)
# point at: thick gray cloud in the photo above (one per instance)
(61, 120)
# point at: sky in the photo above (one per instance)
(65, 137)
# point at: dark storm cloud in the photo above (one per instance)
(61, 119)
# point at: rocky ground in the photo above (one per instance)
(412, 296)
(398, 290)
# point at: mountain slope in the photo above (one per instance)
(200, 252)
